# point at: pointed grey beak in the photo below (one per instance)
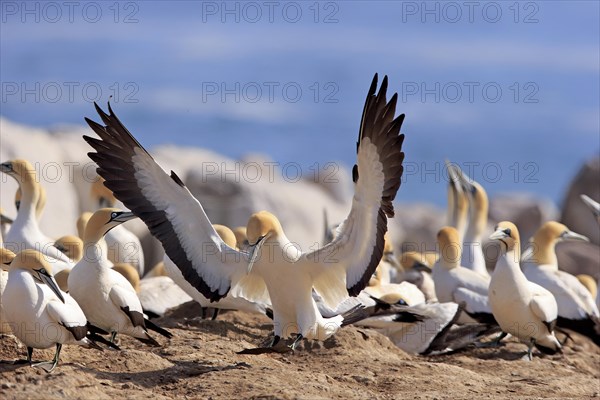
(572, 236)
(454, 175)
(6, 168)
(124, 216)
(498, 234)
(49, 280)
(254, 249)
(594, 206)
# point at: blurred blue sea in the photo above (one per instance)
(508, 90)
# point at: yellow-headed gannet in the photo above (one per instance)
(40, 315)
(458, 202)
(417, 270)
(107, 298)
(6, 257)
(123, 245)
(576, 307)
(25, 232)
(521, 308)
(472, 252)
(341, 268)
(459, 284)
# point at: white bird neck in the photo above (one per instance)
(30, 195)
(94, 253)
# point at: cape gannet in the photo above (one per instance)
(522, 308)
(458, 202)
(40, 315)
(576, 307)
(6, 257)
(106, 297)
(417, 270)
(459, 284)
(178, 220)
(123, 245)
(472, 252)
(25, 232)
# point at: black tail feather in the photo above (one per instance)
(355, 314)
(152, 326)
(586, 327)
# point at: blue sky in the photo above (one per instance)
(508, 88)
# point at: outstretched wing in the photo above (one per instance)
(345, 265)
(164, 203)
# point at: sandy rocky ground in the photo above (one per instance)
(201, 362)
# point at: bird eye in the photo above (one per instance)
(43, 271)
(113, 215)
(507, 231)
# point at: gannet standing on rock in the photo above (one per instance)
(459, 284)
(277, 268)
(522, 308)
(25, 232)
(107, 298)
(576, 307)
(6, 257)
(39, 314)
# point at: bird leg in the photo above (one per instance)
(113, 336)
(530, 349)
(20, 361)
(298, 338)
(275, 340)
(204, 310)
(215, 313)
(52, 363)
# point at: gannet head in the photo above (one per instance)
(102, 195)
(449, 247)
(226, 235)
(19, 169)
(589, 283)
(262, 226)
(36, 264)
(552, 232)
(394, 299)
(6, 257)
(103, 220)
(414, 260)
(71, 246)
(508, 234)
(240, 237)
(130, 273)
